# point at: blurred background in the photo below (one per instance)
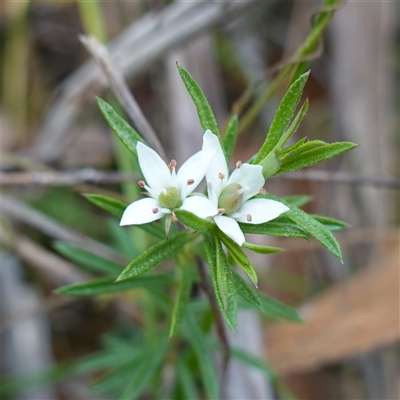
(51, 128)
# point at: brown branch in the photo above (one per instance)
(219, 322)
(89, 175)
(120, 88)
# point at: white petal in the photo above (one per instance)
(230, 227)
(249, 177)
(193, 169)
(200, 206)
(154, 169)
(260, 210)
(141, 212)
(217, 164)
(212, 195)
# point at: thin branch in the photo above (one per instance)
(219, 322)
(120, 88)
(19, 211)
(342, 177)
(141, 44)
(93, 176)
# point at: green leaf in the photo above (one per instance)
(274, 229)
(128, 136)
(113, 206)
(246, 291)
(187, 380)
(253, 361)
(117, 208)
(276, 309)
(291, 153)
(87, 259)
(185, 276)
(314, 156)
(294, 125)
(198, 340)
(195, 222)
(271, 163)
(154, 255)
(108, 285)
(145, 370)
(239, 256)
(282, 117)
(262, 249)
(311, 226)
(210, 241)
(332, 224)
(297, 200)
(204, 111)
(293, 147)
(226, 285)
(230, 137)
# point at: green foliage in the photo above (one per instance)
(155, 255)
(108, 285)
(202, 352)
(88, 260)
(262, 249)
(312, 227)
(185, 280)
(332, 224)
(128, 136)
(276, 137)
(304, 156)
(274, 229)
(192, 221)
(239, 257)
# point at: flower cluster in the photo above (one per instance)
(230, 198)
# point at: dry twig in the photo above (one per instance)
(89, 175)
(120, 89)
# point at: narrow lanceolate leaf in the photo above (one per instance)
(246, 291)
(145, 370)
(332, 224)
(87, 259)
(204, 111)
(185, 276)
(276, 309)
(311, 226)
(253, 361)
(113, 206)
(294, 125)
(226, 285)
(274, 229)
(128, 136)
(193, 221)
(262, 249)
(202, 352)
(294, 146)
(230, 137)
(187, 380)
(117, 208)
(282, 116)
(315, 156)
(154, 255)
(239, 256)
(271, 163)
(292, 152)
(108, 285)
(211, 250)
(297, 200)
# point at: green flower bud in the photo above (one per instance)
(230, 198)
(170, 198)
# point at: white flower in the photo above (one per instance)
(231, 196)
(168, 190)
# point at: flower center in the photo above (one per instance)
(170, 198)
(230, 198)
